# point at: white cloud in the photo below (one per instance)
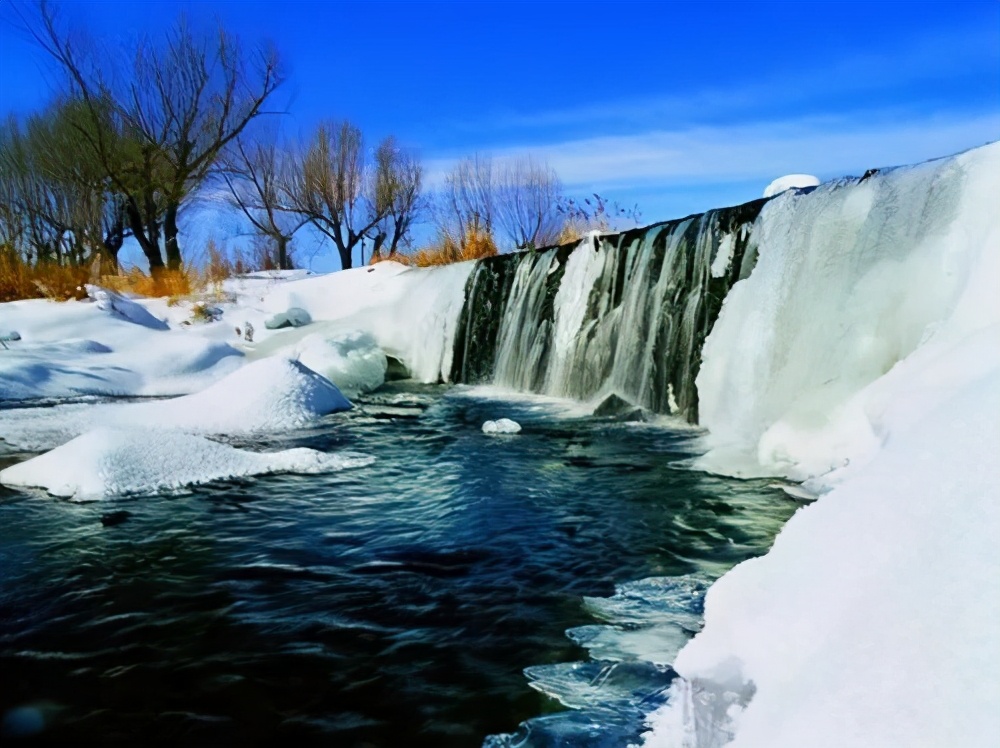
(828, 147)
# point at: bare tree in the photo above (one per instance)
(527, 194)
(516, 198)
(468, 199)
(346, 199)
(57, 204)
(181, 102)
(396, 186)
(259, 176)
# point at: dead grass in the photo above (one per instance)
(20, 280)
(474, 245)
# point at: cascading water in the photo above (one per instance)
(622, 314)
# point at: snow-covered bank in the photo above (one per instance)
(274, 394)
(862, 354)
(411, 313)
(873, 620)
(116, 346)
(114, 462)
(79, 348)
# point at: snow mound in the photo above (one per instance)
(352, 361)
(272, 394)
(113, 462)
(118, 305)
(868, 622)
(789, 182)
(501, 426)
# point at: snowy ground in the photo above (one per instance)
(862, 357)
(221, 381)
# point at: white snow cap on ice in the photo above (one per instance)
(790, 181)
(352, 360)
(110, 462)
(501, 426)
(272, 394)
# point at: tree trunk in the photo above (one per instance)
(149, 243)
(170, 238)
(283, 263)
(345, 257)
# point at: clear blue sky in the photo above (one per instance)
(676, 106)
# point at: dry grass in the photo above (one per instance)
(474, 245)
(173, 283)
(20, 280)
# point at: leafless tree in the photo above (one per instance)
(516, 198)
(57, 202)
(174, 109)
(397, 196)
(527, 194)
(258, 173)
(348, 200)
(468, 199)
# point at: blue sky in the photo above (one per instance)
(678, 107)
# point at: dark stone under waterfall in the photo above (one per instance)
(651, 300)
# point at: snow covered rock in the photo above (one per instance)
(292, 317)
(352, 361)
(789, 182)
(501, 426)
(112, 462)
(118, 305)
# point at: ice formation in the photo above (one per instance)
(790, 182)
(112, 462)
(352, 361)
(862, 353)
(501, 426)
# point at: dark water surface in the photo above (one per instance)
(392, 605)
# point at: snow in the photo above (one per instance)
(789, 182)
(352, 361)
(272, 394)
(872, 621)
(862, 355)
(411, 313)
(501, 426)
(75, 348)
(126, 309)
(112, 462)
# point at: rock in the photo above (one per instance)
(292, 317)
(115, 518)
(501, 426)
(396, 370)
(620, 409)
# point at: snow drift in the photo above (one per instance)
(111, 462)
(273, 394)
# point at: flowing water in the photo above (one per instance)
(457, 587)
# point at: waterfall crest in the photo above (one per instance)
(622, 313)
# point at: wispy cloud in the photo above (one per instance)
(826, 146)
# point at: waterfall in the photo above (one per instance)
(622, 314)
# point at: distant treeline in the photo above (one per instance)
(122, 148)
